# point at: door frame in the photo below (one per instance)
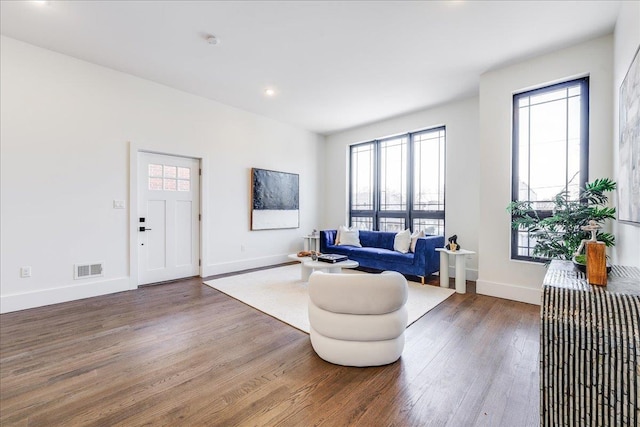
(134, 149)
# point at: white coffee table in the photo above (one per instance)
(308, 266)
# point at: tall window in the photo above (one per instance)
(550, 150)
(398, 183)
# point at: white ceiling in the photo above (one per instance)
(335, 65)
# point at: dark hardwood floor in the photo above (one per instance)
(183, 353)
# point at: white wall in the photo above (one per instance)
(462, 168)
(65, 155)
(498, 275)
(627, 40)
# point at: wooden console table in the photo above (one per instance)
(590, 348)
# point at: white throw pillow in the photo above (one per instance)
(402, 241)
(350, 237)
(339, 233)
(414, 239)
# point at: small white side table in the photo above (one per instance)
(461, 268)
(311, 243)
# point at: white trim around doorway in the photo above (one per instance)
(134, 149)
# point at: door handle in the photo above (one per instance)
(144, 229)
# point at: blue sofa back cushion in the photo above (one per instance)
(377, 239)
(368, 239)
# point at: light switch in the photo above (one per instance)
(118, 204)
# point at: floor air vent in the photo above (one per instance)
(84, 271)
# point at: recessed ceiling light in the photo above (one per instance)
(269, 91)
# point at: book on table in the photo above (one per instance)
(332, 258)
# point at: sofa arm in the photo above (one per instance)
(426, 257)
(327, 238)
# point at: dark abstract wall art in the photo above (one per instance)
(274, 200)
(629, 166)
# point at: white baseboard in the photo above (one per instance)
(245, 264)
(508, 291)
(230, 267)
(23, 301)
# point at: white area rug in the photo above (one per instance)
(279, 293)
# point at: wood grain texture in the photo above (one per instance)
(596, 263)
(185, 354)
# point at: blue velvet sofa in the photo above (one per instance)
(377, 252)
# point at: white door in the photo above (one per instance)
(168, 217)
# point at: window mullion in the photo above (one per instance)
(376, 185)
(410, 181)
(584, 132)
(529, 151)
(566, 144)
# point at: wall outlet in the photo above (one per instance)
(118, 204)
(241, 248)
(25, 272)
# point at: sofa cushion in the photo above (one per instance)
(339, 231)
(383, 255)
(350, 238)
(402, 241)
(414, 239)
(377, 239)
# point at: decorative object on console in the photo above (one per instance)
(593, 228)
(596, 263)
(453, 243)
(595, 256)
(628, 170)
(275, 200)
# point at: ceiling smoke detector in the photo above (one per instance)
(213, 40)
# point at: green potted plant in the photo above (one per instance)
(560, 235)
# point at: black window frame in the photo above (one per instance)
(584, 151)
(408, 214)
